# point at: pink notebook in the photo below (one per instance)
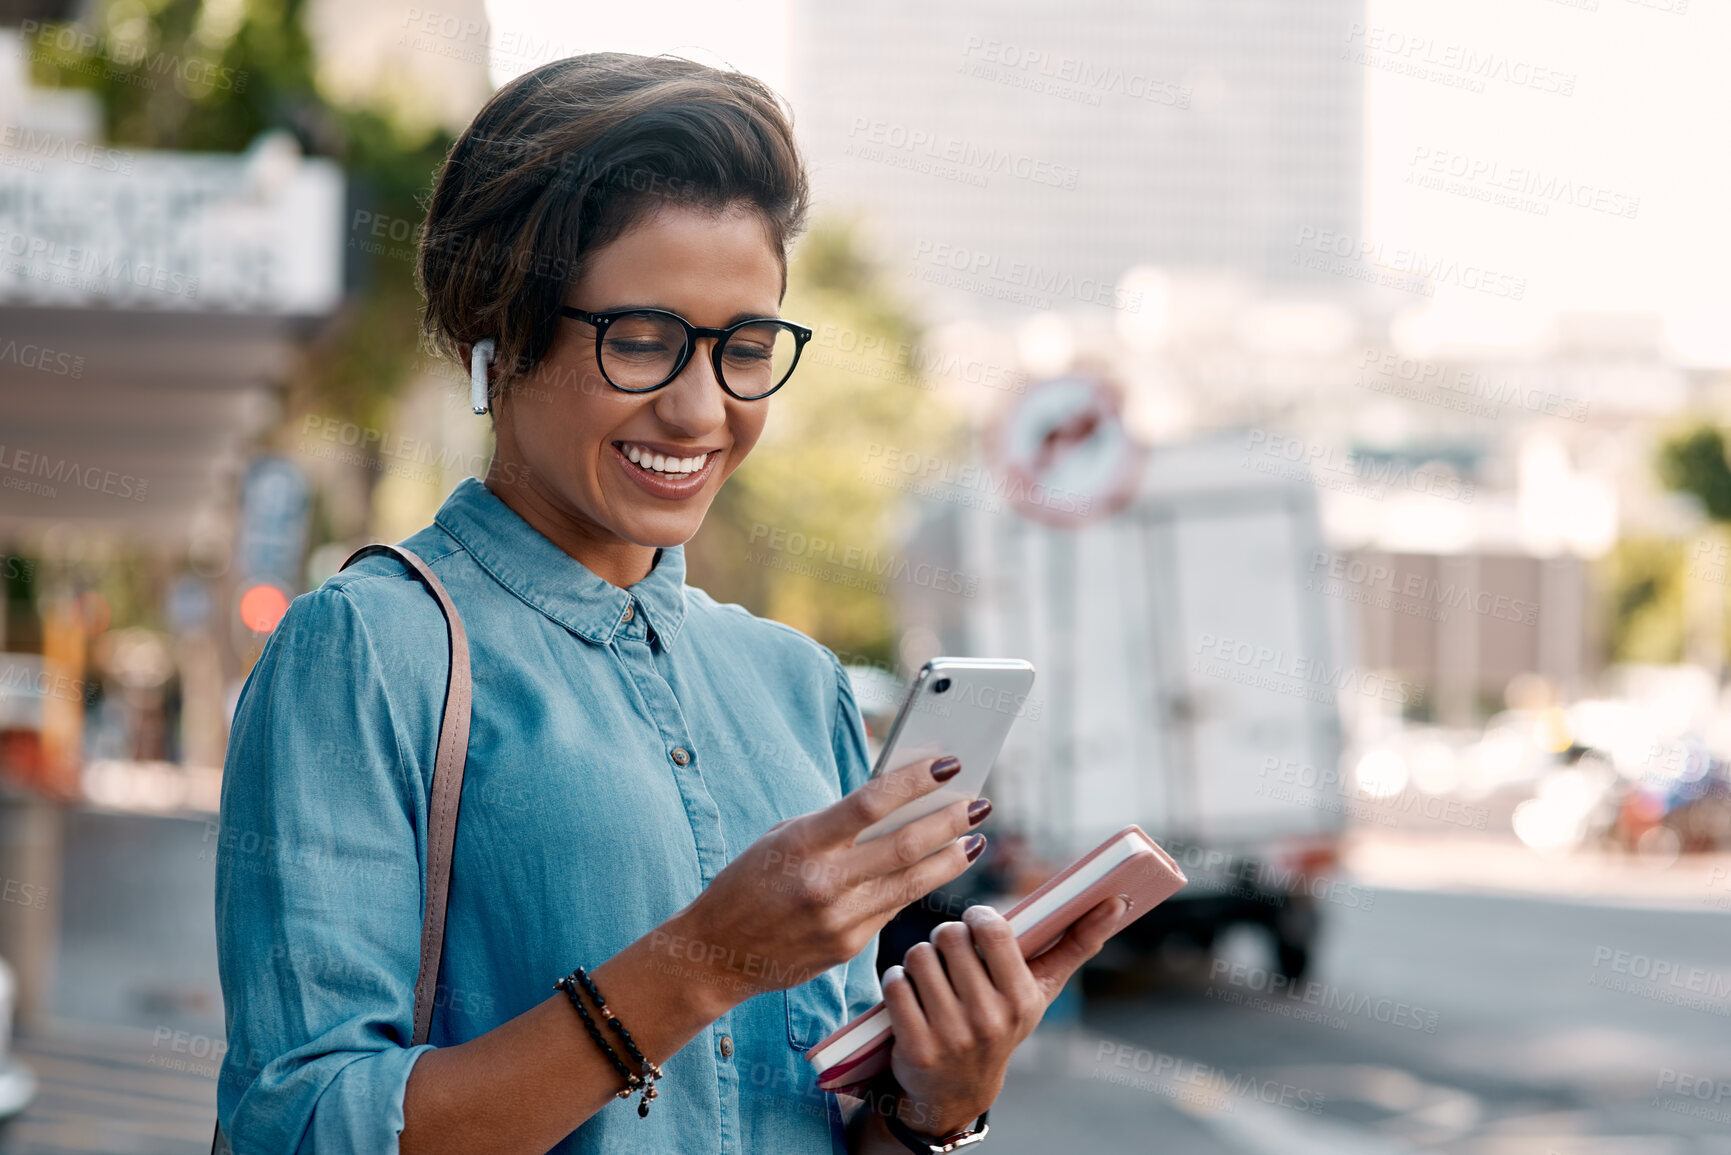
(1127, 864)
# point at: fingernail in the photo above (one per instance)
(973, 846)
(978, 809)
(946, 767)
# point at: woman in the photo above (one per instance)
(660, 788)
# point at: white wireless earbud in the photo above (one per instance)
(479, 359)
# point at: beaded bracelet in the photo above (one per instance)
(631, 1081)
(651, 1071)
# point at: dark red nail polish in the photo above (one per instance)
(946, 767)
(974, 844)
(978, 809)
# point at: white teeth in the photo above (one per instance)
(661, 463)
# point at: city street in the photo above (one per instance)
(1468, 1023)
(1528, 1054)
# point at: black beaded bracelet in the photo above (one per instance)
(631, 1081)
(651, 1071)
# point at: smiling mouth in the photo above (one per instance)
(661, 464)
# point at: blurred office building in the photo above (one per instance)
(1014, 154)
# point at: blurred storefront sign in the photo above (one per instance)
(150, 305)
(174, 231)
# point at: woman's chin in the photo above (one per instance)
(658, 529)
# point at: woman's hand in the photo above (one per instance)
(804, 898)
(958, 1013)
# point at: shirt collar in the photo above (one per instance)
(551, 580)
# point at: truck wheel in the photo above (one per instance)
(1295, 928)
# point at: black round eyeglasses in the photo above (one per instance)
(640, 350)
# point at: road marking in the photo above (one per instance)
(1241, 1121)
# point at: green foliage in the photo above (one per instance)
(1644, 580)
(1693, 462)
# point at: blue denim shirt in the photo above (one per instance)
(581, 828)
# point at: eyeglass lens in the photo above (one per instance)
(640, 351)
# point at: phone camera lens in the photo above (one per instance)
(940, 685)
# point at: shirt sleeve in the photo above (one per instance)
(853, 762)
(318, 896)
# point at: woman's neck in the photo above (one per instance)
(608, 556)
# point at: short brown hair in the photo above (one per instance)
(567, 158)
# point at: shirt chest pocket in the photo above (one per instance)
(816, 1008)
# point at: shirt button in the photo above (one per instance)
(630, 612)
(727, 1046)
(680, 756)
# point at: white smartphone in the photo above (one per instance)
(959, 706)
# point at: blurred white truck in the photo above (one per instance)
(1187, 682)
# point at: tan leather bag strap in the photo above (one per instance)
(447, 794)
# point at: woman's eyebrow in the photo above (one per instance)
(748, 315)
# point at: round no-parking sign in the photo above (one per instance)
(1066, 456)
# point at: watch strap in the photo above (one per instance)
(928, 1145)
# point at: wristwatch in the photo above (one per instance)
(924, 1145)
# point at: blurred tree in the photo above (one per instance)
(1648, 600)
(1693, 462)
(858, 387)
